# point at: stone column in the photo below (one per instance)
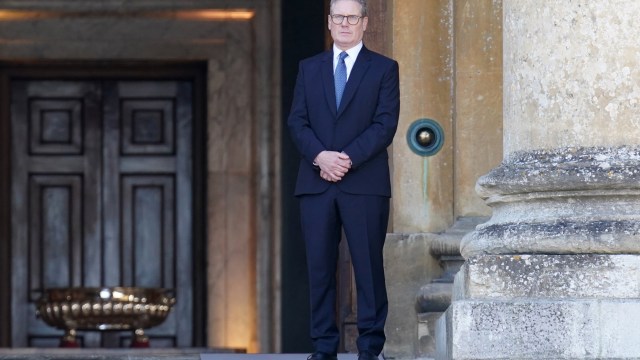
(555, 273)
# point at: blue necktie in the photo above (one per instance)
(340, 77)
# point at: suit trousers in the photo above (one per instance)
(364, 219)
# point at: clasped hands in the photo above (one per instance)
(333, 165)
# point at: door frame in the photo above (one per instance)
(196, 72)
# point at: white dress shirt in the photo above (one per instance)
(349, 60)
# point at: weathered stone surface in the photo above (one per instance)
(423, 187)
(564, 168)
(550, 276)
(434, 297)
(570, 73)
(541, 329)
(448, 243)
(560, 237)
(564, 201)
(408, 265)
(427, 334)
(478, 98)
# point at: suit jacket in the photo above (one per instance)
(363, 127)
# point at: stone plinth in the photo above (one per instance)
(434, 298)
(565, 200)
(545, 307)
(543, 329)
(587, 276)
(555, 273)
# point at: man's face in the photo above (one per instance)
(345, 35)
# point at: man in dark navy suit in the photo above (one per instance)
(344, 116)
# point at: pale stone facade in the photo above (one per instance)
(570, 148)
(450, 56)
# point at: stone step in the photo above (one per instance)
(268, 356)
(105, 354)
(146, 354)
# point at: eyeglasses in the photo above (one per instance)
(351, 19)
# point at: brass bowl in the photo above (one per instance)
(109, 308)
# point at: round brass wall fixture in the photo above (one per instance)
(425, 137)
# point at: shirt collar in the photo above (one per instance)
(353, 52)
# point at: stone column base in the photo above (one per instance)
(540, 329)
(543, 307)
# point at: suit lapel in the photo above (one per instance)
(357, 73)
(328, 80)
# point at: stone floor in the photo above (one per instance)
(268, 356)
(105, 354)
(146, 354)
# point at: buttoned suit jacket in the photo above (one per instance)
(363, 127)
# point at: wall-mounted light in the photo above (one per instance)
(199, 14)
(425, 137)
(216, 14)
(17, 15)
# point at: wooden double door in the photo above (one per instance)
(101, 195)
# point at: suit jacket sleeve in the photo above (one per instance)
(379, 135)
(302, 134)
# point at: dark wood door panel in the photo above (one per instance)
(54, 194)
(101, 196)
(148, 239)
(149, 127)
(55, 231)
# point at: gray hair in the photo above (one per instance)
(363, 4)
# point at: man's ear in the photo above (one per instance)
(365, 21)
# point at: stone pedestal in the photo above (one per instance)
(546, 307)
(434, 298)
(555, 273)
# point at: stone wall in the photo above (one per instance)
(450, 56)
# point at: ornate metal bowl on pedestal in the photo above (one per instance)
(110, 308)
